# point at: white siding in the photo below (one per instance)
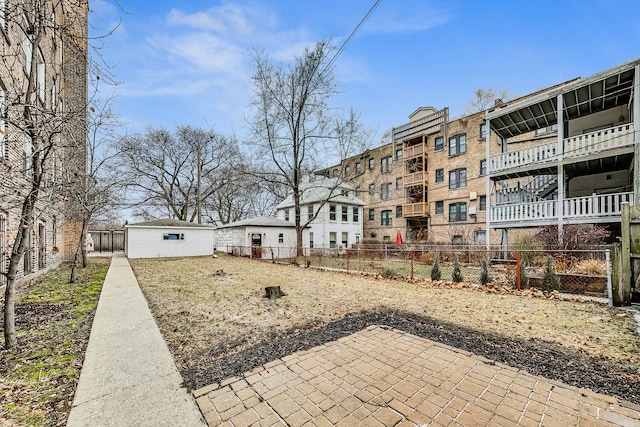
(148, 242)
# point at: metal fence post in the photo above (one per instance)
(411, 259)
(518, 269)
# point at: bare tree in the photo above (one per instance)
(172, 174)
(293, 126)
(97, 197)
(43, 67)
(483, 98)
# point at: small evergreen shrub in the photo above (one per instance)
(484, 271)
(436, 274)
(550, 280)
(456, 277)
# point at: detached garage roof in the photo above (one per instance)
(261, 221)
(168, 223)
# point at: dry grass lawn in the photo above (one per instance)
(201, 303)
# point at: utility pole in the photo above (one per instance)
(198, 191)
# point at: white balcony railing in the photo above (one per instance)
(573, 147)
(594, 206)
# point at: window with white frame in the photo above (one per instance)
(483, 167)
(480, 236)
(398, 153)
(458, 144)
(27, 52)
(40, 70)
(345, 214)
(281, 238)
(332, 212)
(372, 214)
(372, 189)
(439, 207)
(458, 178)
(358, 167)
(372, 163)
(483, 130)
(27, 153)
(439, 175)
(345, 239)
(332, 239)
(399, 183)
(286, 215)
(311, 239)
(3, 136)
(356, 214)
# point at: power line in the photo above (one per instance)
(353, 33)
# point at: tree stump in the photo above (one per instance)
(273, 292)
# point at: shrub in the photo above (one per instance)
(593, 267)
(436, 274)
(456, 276)
(575, 236)
(388, 273)
(550, 280)
(484, 271)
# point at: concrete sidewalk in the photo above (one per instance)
(129, 377)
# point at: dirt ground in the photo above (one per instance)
(217, 322)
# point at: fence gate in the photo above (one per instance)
(108, 241)
(626, 258)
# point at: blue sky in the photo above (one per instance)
(187, 61)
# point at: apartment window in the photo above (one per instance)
(439, 175)
(345, 239)
(398, 183)
(372, 189)
(345, 214)
(385, 191)
(347, 170)
(385, 164)
(483, 167)
(40, 70)
(311, 239)
(27, 152)
(332, 239)
(439, 207)
(399, 211)
(332, 212)
(335, 173)
(457, 178)
(358, 191)
(3, 146)
(286, 214)
(458, 144)
(398, 153)
(480, 236)
(438, 143)
(546, 130)
(385, 218)
(483, 130)
(358, 167)
(372, 163)
(27, 51)
(482, 203)
(457, 212)
(310, 211)
(356, 214)
(372, 214)
(281, 238)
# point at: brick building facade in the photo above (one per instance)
(43, 97)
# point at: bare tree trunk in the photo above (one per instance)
(81, 251)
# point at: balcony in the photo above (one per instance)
(575, 147)
(413, 151)
(415, 178)
(415, 209)
(586, 209)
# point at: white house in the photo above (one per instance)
(261, 237)
(165, 238)
(338, 222)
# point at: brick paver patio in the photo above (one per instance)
(385, 377)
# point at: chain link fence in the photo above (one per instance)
(585, 272)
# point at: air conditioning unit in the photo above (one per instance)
(472, 210)
(473, 195)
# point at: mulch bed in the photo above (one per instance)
(537, 357)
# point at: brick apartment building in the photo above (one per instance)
(43, 70)
(446, 180)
